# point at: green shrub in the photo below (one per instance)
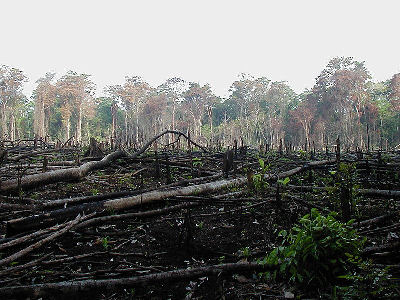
(316, 252)
(259, 179)
(366, 282)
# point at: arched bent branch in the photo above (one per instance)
(80, 172)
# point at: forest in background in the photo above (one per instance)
(344, 102)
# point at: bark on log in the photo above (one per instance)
(59, 175)
(367, 192)
(376, 220)
(19, 225)
(78, 172)
(86, 199)
(143, 214)
(28, 237)
(66, 288)
(38, 244)
(376, 249)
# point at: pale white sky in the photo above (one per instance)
(202, 41)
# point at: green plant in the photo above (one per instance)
(69, 187)
(315, 252)
(366, 282)
(386, 158)
(259, 179)
(221, 259)
(304, 155)
(94, 192)
(245, 252)
(197, 162)
(105, 242)
(200, 225)
(344, 191)
(284, 182)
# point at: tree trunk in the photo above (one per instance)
(3, 119)
(12, 126)
(79, 125)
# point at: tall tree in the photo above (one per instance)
(74, 90)
(134, 94)
(11, 98)
(340, 94)
(196, 99)
(45, 96)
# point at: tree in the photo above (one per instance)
(339, 95)
(74, 90)
(196, 99)
(45, 96)
(173, 89)
(11, 99)
(134, 93)
(395, 91)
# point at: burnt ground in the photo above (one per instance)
(239, 225)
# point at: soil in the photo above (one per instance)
(237, 227)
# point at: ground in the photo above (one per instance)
(242, 225)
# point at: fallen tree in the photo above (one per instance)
(36, 221)
(74, 287)
(77, 173)
(40, 243)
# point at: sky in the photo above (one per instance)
(201, 41)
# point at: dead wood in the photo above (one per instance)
(19, 225)
(29, 237)
(376, 220)
(77, 173)
(86, 199)
(385, 193)
(3, 156)
(381, 229)
(148, 213)
(94, 149)
(307, 204)
(143, 214)
(35, 153)
(30, 264)
(75, 287)
(40, 243)
(59, 175)
(367, 192)
(383, 248)
(37, 221)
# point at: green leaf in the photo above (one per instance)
(261, 162)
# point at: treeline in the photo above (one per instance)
(344, 102)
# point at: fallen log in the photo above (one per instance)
(33, 222)
(78, 173)
(150, 213)
(20, 268)
(66, 288)
(367, 192)
(385, 247)
(85, 199)
(71, 174)
(376, 220)
(38, 244)
(29, 237)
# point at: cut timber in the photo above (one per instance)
(33, 222)
(38, 244)
(366, 192)
(77, 173)
(60, 175)
(77, 287)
